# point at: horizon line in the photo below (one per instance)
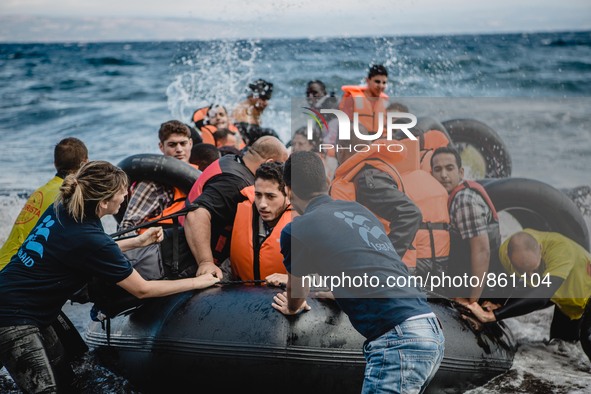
(292, 38)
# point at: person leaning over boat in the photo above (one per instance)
(475, 235)
(152, 199)
(558, 271)
(364, 179)
(66, 248)
(265, 212)
(217, 193)
(68, 155)
(343, 238)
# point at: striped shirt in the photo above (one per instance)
(148, 200)
(469, 214)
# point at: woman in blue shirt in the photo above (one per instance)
(63, 252)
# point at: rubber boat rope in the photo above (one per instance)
(153, 223)
(263, 281)
(242, 282)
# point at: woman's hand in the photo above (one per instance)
(204, 281)
(151, 236)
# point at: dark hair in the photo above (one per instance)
(173, 127)
(220, 134)
(271, 171)
(261, 89)
(202, 155)
(449, 150)
(316, 135)
(377, 69)
(304, 173)
(194, 135)
(95, 181)
(68, 156)
(229, 150)
(316, 82)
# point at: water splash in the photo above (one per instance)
(212, 72)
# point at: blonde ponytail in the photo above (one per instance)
(94, 182)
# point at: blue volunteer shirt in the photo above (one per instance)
(57, 258)
(343, 239)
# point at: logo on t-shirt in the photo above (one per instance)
(32, 209)
(365, 232)
(33, 245)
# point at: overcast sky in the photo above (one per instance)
(124, 20)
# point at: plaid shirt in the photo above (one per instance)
(469, 214)
(148, 200)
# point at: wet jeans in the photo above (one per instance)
(35, 359)
(405, 359)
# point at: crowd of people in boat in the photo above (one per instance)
(265, 212)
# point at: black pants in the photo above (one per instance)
(563, 327)
(35, 359)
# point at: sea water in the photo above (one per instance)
(531, 88)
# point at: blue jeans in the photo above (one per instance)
(404, 359)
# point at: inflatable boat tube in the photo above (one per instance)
(158, 168)
(581, 196)
(537, 205)
(229, 338)
(426, 123)
(481, 148)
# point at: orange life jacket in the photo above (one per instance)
(432, 239)
(369, 110)
(432, 139)
(208, 130)
(199, 116)
(178, 203)
(248, 262)
(208, 135)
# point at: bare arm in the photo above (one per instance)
(479, 260)
(198, 233)
(141, 288)
(150, 236)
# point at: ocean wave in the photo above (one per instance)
(110, 61)
(574, 65)
(567, 42)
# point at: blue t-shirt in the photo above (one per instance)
(57, 258)
(339, 240)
